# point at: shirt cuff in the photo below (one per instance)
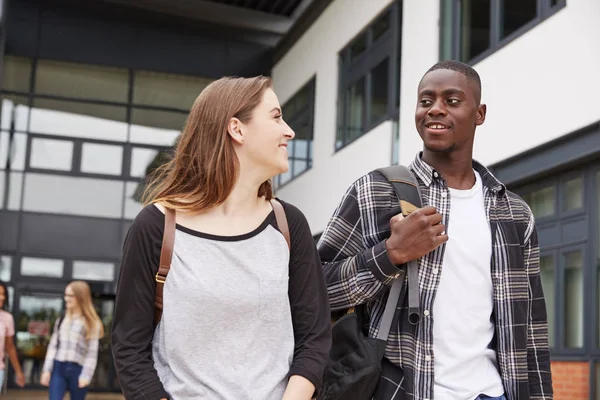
(379, 264)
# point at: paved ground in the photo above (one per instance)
(42, 395)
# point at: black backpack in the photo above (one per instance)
(354, 367)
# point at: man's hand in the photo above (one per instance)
(416, 235)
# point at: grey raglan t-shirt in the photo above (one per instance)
(241, 313)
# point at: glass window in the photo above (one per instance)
(358, 46)
(156, 127)
(167, 90)
(548, 279)
(51, 154)
(381, 26)
(379, 92)
(142, 159)
(16, 73)
(573, 307)
(15, 111)
(15, 148)
(93, 271)
(542, 201)
(573, 194)
(475, 28)
(82, 81)
(73, 196)
(355, 111)
(77, 119)
(5, 268)
(516, 14)
(11, 182)
(99, 158)
(47, 267)
(133, 195)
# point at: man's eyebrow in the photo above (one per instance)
(429, 92)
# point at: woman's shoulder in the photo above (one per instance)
(149, 220)
(295, 218)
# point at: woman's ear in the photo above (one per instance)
(234, 129)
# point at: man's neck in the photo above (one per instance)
(457, 169)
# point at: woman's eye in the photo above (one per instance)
(278, 116)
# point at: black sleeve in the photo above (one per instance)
(133, 322)
(309, 302)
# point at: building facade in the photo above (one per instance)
(94, 95)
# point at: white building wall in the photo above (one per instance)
(318, 191)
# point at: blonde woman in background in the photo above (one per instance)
(73, 350)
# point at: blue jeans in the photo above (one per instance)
(65, 376)
(484, 397)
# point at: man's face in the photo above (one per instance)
(448, 111)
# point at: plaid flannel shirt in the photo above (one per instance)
(74, 347)
(358, 271)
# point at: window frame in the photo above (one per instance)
(305, 115)
(386, 46)
(450, 11)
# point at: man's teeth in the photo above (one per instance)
(437, 126)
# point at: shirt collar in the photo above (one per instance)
(427, 174)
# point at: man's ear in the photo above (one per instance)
(234, 129)
(481, 110)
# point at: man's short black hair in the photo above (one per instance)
(462, 68)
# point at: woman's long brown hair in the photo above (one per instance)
(204, 167)
(94, 329)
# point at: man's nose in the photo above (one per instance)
(437, 108)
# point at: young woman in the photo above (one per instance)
(73, 349)
(243, 316)
(7, 341)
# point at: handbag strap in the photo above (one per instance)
(168, 241)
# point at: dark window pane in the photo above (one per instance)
(379, 92)
(355, 112)
(573, 310)
(548, 274)
(573, 194)
(517, 13)
(156, 127)
(16, 73)
(475, 28)
(167, 90)
(358, 46)
(381, 26)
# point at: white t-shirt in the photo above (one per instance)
(465, 365)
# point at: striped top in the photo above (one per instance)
(358, 271)
(74, 347)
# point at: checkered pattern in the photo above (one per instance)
(358, 271)
(74, 347)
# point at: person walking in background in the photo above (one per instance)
(244, 315)
(7, 341)
(73, 349)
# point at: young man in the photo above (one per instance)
(483, 329)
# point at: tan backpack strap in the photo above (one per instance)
(166, 253)
(281, 220)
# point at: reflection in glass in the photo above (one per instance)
(542, 202)
(141, 160)
(573, 299)
(381, 26)
(83, 81)
(105, 376)
(475, 28)
(93, 270)
(379, 92)
(77, 119)
(156, 127)
(73, 196)
(358, 46)
(167, 90)
(99, 158)
(5, 268)
(11, 184)
(52, 268)
(16, 73)
(15, 111)
(51, 154)
(355, 111)
(548, 279)
(516, 14)
(36, 317)
(573, 194)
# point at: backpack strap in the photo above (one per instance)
(407, 189)
(281, 221)
(166, 253)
